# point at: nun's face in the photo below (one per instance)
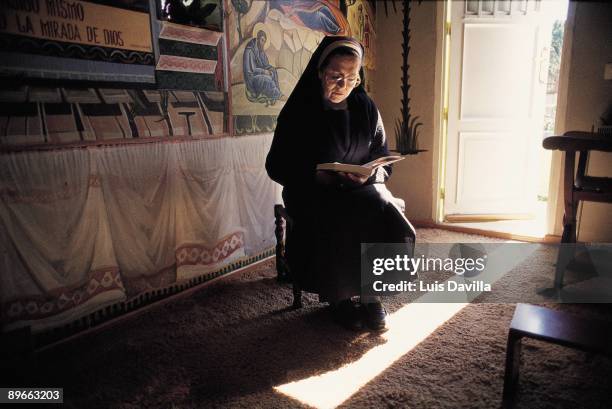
(340, 77)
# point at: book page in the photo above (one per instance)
(344, 167)
(385, 160)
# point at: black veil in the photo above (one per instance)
(301, 126)
(307, 92)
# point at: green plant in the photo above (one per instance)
(406, 136)
(406, 127)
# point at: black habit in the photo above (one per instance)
(331, 221)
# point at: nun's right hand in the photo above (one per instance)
(326, 178)
(355, 179)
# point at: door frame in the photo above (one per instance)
(555, 191)
(443, 14)
(556, 206)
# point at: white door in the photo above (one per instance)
(497, 83)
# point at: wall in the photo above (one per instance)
(413, 178)
(588, 96)
(181, 56)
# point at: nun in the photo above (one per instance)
(330, 118)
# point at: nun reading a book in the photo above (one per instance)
(329, 119)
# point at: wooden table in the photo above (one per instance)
(532, 321)
(578, 187)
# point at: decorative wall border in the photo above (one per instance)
(70, 50)
(186, 64)
(176, 32)
(48, 339)
(190, 255)
(39, 307)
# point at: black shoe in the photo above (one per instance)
(375, 316)
(347, 314)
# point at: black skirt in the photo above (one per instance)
(323, 246)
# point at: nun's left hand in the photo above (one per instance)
(354, 178)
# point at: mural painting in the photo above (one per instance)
(190, 58)
(361, 18)
(270, 45)
(183, 95)
(45, 115)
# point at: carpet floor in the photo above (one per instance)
(232, 342)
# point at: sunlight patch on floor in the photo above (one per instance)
(407, 327)
(535, 227)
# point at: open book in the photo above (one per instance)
(364, 170)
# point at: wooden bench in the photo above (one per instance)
(531, 321)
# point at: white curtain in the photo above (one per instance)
(85, 228)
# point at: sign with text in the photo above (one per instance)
(77, 22)
(493, 272)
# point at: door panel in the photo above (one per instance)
(476, 188)
(492, 85)
(496, 103)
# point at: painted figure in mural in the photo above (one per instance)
(260, 77)
(319, 15)
(366, 32)
(360, 22)
(330, 118)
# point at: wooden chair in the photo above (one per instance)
(283, 226)
(580, 187)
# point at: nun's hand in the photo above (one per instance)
(326, 177)
(354, 178)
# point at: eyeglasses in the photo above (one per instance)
(339, 80)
